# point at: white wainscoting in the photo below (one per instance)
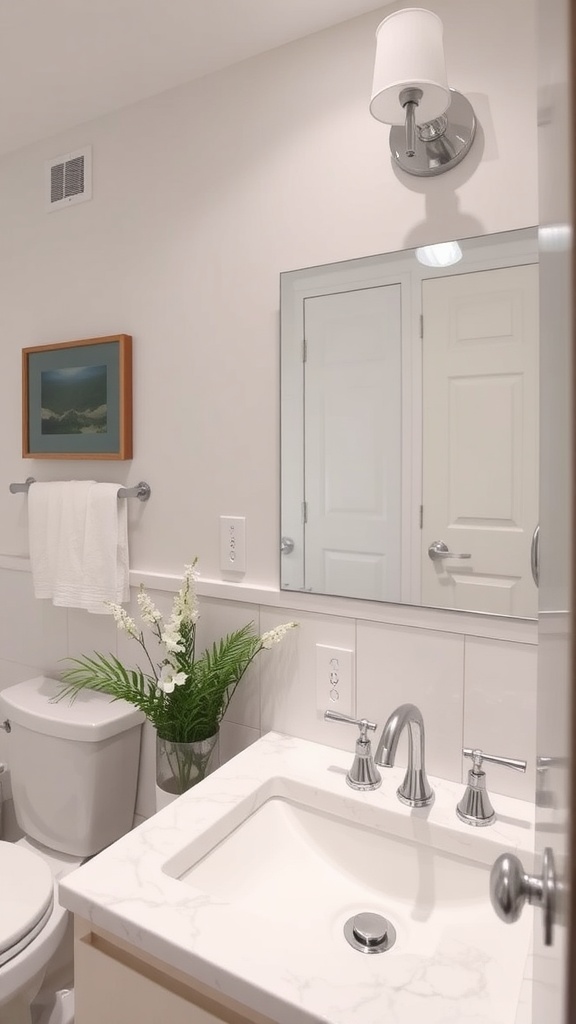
(474, 677)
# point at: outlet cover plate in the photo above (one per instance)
(334, 679)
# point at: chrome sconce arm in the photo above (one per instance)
(409, 99)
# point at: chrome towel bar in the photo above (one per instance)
(142, 490)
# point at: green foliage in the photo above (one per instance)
(184, 697)
(192, 711)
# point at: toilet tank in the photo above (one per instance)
(73, 765)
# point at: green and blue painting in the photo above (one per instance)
(74, 400)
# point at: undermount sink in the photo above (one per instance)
(256, 882)
(296, 867)
(291, 863)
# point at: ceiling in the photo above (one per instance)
(63, 62)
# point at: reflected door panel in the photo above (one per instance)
(480, 439)
(352, 415)
(352, 450)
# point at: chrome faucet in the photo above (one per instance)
(363, 773)
(415, 790)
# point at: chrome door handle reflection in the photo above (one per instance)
(286, 545)
(438, 549)
(535, 556)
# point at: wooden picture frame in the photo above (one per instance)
(77, 399)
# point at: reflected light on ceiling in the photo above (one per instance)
(443, 254)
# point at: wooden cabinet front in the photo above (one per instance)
(115, 983)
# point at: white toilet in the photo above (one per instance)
(74, 773)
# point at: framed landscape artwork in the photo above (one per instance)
(77, 399)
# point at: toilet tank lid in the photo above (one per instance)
(91, 716)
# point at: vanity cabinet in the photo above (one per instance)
(118, 984)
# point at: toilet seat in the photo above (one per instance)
(28, 966)
(26, 898)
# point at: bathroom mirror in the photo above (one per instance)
(409, 426)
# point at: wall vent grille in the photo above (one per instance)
(69, 179)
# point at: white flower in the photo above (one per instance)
(170, 679)
(171, 638)
(122, 619)
(185, 606)
(274, 636)
(148, 610)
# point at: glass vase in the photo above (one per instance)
(179, 766)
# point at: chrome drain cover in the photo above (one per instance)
(370, 933)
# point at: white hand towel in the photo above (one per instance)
(56, 527)
(78, 532)
(105, 570)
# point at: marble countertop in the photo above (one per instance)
(297, 976)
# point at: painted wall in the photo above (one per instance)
(202, 196)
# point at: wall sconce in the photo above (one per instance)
(433, 126)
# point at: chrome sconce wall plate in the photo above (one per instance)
(441, 143)
(432, 126)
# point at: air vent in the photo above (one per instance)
(69, 179)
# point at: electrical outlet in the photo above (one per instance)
(334, 679)
(233, 543)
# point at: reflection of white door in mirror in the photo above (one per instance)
(480, 439)
(352, 458)
(352, 472)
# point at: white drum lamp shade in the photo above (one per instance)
(409, 54)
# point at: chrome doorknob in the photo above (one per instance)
(438, 549)
(511, 888)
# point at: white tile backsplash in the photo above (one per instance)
(217, 619)
(288, 673)
(500, 711)
(12, 672)
(414, 666)
(472, 691)
(88, 633)
(235, 738)
(32, 632)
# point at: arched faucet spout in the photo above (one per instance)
(415, 789)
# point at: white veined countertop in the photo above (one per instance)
(470, 969)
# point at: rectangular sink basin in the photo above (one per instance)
(303, 870)
(249, 884)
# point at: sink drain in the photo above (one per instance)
(370, 933)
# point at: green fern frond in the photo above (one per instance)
(108, 675)
(193, 710)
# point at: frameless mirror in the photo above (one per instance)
(409, 420)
